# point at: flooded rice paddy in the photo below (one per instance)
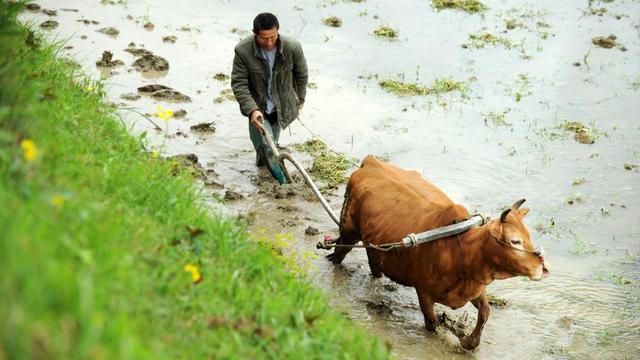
(548, 110)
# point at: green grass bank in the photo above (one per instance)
(108, 255)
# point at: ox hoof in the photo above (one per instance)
(470, 343)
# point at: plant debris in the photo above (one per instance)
(497, 302)
(327, 166)
(470, 6)
(385, 32)
(582, 134)
(410, 89)
(480, 40)
(630, 167)
(221, 77)
(608, 42)
(332, 21)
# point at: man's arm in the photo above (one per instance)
(240, 86)
(300, 73)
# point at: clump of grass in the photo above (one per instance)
(329, 167)
(385, 32)
(410, 89)
(497, 117)
(482, 39)
(332, 21)
(470, 6)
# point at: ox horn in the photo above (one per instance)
(516, 205)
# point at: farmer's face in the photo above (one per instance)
(267, 38)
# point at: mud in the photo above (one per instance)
(107, 60)
(150, 62)
(188, 163)
(180, 114)
(88, 22)
(49, 24)
(32, 7)
(203, 127)
(138, 51)
(231, 195)
(131, 97)
(109, 31)
(221, 77)
(332, 21)
(171, 96)
(607, 42)
(169, 39)
(149, 26)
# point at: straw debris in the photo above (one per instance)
(409, 89)
(470, 6)
(327, 166)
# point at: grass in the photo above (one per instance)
(105, 254)
(327, 166)
(470, 6)
(410, 89)
(482, 39)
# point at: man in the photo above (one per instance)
(269, 80)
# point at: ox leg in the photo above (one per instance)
(374, 265)
(339, 253)
(426, 305)
(482, 304)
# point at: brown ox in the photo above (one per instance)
(384, 203)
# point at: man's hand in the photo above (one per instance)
(300, 106)
(257, 120)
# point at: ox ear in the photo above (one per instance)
(495, 228)
(523, 212)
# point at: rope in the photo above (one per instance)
(327, 145)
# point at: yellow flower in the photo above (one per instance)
(164, 114)
(89, 88)
(29, 148)
(154, 153)
(57, 201)
(196, 277)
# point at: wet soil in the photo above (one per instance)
(109, 31)
(587, 308)
(107, 60)
(150, 62)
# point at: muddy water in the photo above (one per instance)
(499, 143)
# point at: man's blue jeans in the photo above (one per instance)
(273, 129)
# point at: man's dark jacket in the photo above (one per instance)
(289, 79)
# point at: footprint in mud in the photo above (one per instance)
(109, 31)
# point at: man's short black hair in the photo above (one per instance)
(265, 21)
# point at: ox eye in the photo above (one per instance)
(516, 242)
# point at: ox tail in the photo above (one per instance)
(347, 235)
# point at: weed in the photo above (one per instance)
(327, 166)
(409, 89)
(470, 6)
(482, 39)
